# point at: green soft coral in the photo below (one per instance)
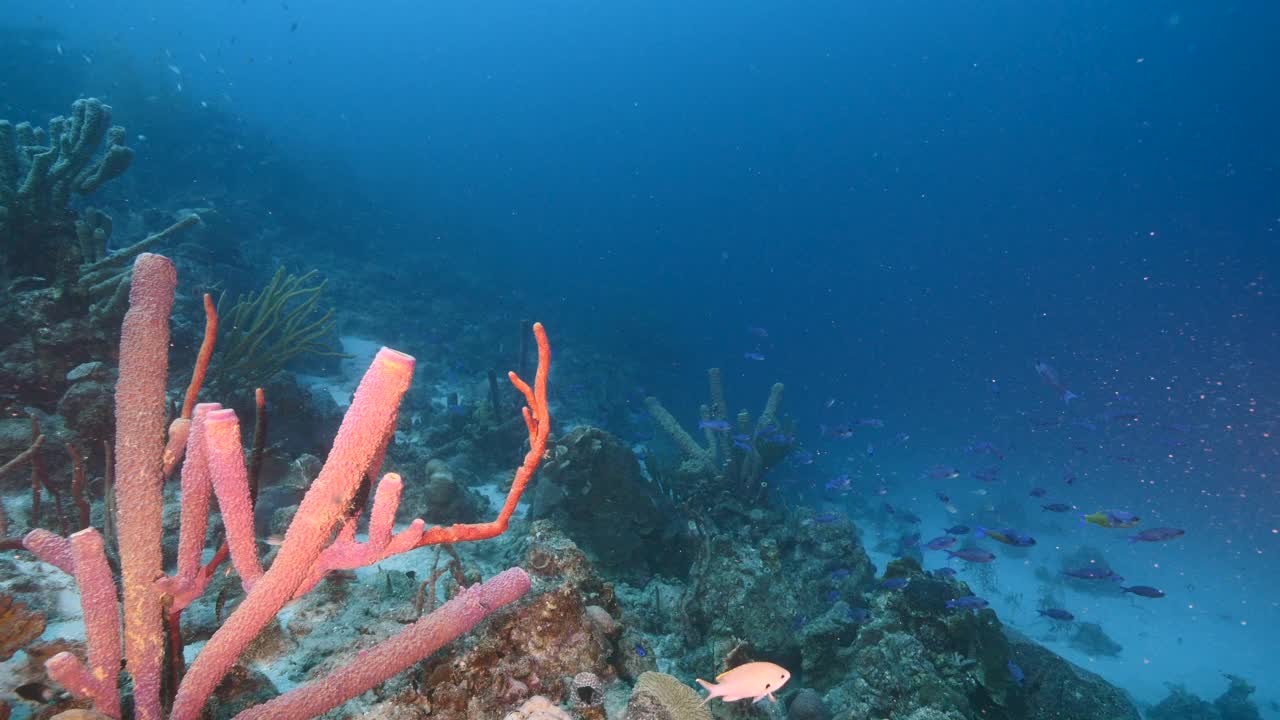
(266, 330)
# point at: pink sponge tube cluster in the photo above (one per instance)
(214, 466)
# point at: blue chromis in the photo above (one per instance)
(969, 602)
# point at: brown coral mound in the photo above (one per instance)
(658, 696)
(19, 625)
(536, 648)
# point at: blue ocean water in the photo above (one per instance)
(896, 209)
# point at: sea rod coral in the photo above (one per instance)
(214, 466)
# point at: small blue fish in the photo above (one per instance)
(859, 615)
(988, 475)
(1160, 534)
(1093, 572)
(839, 574)
(824, 518)
(753, 356)
(969, 602)
(945, 572)
(840, 432)
(841, 484)
(640, 650)
(894, 583)
(957, 530)
(1057, 614)
(985, 448)
(1144, 590)
(975, 555)
(943, 472)
(714, 425)
(1016, 674)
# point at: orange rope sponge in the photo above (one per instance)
(537, 417)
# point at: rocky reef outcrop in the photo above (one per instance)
(1233, 704)
(593, 489)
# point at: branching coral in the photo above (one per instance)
(39, 171)
(737, 452)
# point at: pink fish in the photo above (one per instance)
(755, 680)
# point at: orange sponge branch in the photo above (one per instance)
(202, 359)
(537, 418)
(181, 425)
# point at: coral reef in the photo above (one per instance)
(808, 705)
(737, 454)
(593, 489)
(658, 696)
(51, 326)
(776, 586)
(586, 693)
(913, 653)
(1058, 690)
(1232, 704)
(1182, 704)
(539, 649)
(19, 625)
(1091, 639)
(537, 708)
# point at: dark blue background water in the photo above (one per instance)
(916, 199)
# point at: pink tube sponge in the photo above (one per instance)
(397, 653)
(140, 426)
(357, 450)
